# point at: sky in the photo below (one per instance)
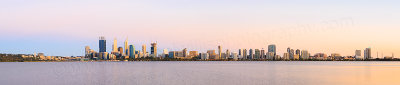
(64, 27)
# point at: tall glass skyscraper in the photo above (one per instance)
(154, 49)
(367, 53)
(131, 52)
(102, 44)
(272, 48)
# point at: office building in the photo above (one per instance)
(227, 54)
(244, 54)
(270, 55)
(212, 54)
(132, 52)
(126, 47)
(234, 56)
(251, 54)
(87, 51)
(263, 54)
(257, 54)
(358, 55)
(120, 50)
(304, 55)
(102, 44)
(114, 46)
(144, 49)
(204, 56)
(154, 49)
(219, 52)
(298, 52)
(184, 52)
(193, 54)
(367, 53)
(272, 48)
(240, 53)
(285, 56)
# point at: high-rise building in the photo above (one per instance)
(291, 53)
(358, 55)
(115, 48)
(102, 44)
(227, 54)
(285, 56)
(272, 48)
(270, 55)
(126, 47)
(154, 49)
(184, 52)
(240, 53)
(244, 54)
(212, 54)
(204, 56)
(219, 52)
(87, 51)
(165, 53)
(304, 55)
(171, 54)
(257, 54)
(263, 54)
(120, 50)
(193, 53)
(367, 53)
(131, 52)
(251, 54)
(298, 52)
(234, 56)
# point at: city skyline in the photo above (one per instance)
(290, 54)
(62, 28)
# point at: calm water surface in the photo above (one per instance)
(200, 73)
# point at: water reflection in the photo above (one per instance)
(200, 73)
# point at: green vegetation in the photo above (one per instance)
(15, 58)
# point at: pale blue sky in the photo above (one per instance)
(64, 27)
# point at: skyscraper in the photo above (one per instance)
(131, 52)
(305, 55)
(115, 48)
(291, 54)
(219, 52)
(272, 48)
(154, 49)
(144, 49)
(126, 47)
(244, 54)
(358, 54)
(227, 54)
(298, 52)
(164, 54)
(240, 51)
(262, 54)
(184, 52)
(367, 53)
(102, 44)
(257, 54)
(212, 54)
(87, 51)
(251, 54)
(120, 51)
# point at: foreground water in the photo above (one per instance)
(200, 73)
